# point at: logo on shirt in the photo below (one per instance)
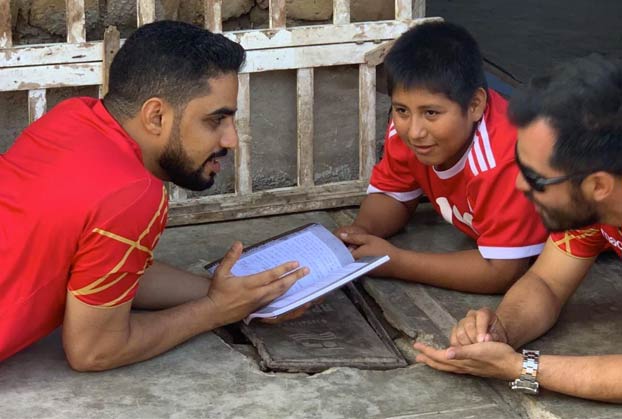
(612, 240)
(449, 212)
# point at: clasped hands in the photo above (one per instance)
(478, 346)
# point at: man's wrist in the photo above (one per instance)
(497, 330)
(527, 381)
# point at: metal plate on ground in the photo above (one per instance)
(331, 334)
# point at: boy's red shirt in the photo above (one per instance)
(478, 194)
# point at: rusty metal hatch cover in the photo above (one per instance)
(339, 332)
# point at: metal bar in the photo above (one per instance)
(419, 9)
(48, 76)
(213, 15)
(367, 120)
(6, 36)
(111, 45)
(76, 29)
(243, 180)
(269, 202)
(305, 126)
(341, 12)
(403, 9)
(306, 57)
(37, 104)
(45, 54)
(176, 194)
(145, 12)
(277, 14)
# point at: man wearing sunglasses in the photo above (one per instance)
(569, 153)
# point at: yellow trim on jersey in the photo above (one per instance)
(124, 240)
(568, 237)
(94, 287)
(122, 296)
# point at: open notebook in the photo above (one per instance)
(330, 263)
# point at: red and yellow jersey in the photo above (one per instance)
(477, 195)
(590, 241)
(79, 213)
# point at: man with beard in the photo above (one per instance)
(569, 152)
(82, 206)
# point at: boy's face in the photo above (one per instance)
(434, 127)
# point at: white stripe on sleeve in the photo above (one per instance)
(489, 252)
(400, 196)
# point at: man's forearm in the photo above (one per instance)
(528, 310)
(146, 335)
(463, 271)
(163, 286)
(589, 377)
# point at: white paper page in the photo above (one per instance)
(291, 297)
(305, 248)
(336, 279)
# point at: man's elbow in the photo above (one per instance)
(88, 360)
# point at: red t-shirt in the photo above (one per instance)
(79, 213)
(477, 194)
(590, 241)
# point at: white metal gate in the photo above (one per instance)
(36, 68)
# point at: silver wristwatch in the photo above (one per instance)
(527, 382)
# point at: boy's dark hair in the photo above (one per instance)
(170, 60)
(440, 57)
(582, 101)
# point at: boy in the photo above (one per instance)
(448, 138)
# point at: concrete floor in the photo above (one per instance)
(208, 378)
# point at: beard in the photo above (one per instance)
(578, 214)
(178, 165)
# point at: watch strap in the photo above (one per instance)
(528, 382)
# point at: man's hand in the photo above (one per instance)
(488, 359)
(236, 297)
(478, 326)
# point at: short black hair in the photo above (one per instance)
(171, 60)
(582, 101)
(440, 57)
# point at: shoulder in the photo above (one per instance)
(581, 243)
(134, 204)
(394, 146)
(494, 139)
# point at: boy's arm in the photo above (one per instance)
(463, 271)
(100, 338)
(381, 215)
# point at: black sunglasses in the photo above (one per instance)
(538, 182)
